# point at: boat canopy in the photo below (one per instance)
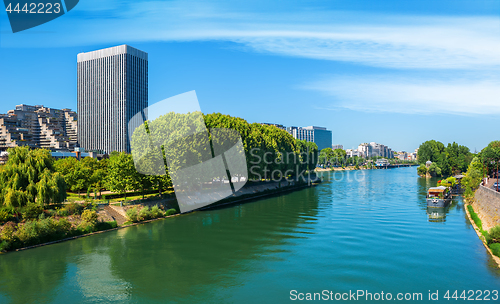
(438, 189)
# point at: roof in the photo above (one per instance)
(437, 189)
(459, 176)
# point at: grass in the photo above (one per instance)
(495, 247)
(475, 218)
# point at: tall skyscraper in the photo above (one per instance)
(112, 88)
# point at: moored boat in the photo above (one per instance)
(438, 197)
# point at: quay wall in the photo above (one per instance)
(487, 205)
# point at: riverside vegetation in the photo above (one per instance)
(40, 197)
(455, 159)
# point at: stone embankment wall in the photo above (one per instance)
(487, 205)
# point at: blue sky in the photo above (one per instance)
(395, 72)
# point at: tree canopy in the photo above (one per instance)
(29, 178)
(447, 160)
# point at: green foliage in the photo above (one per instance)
(73, 208)
(491, 154)
(170, 212)
(495, 249)
(495, 233)
(475, 217)
(144, 214)
(430, 150)
(4, 246)
(4, 215)
(29, 178)
(132, 214)
(473, 177)
(448, 160)
(31, 211)
(105, 225)
(41, 231)
(434, 170)
(86, 227)
(7, 233)
(267, 148)
(422, 170)
(89, 216)
(122, 175)
(138, 214)
(156, 212)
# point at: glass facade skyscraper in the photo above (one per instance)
(112, 88)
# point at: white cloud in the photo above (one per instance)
(393, 41)
(412, 96)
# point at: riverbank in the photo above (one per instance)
(481, 237)
(251, 192)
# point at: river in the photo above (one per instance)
(363, 230)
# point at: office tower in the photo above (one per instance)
(112, 88)
(319, 135)
(39, 127)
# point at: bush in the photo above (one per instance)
(144, 214)
(31, 211)
(156, 212)
(90, 216)
(74, 208)
(422, 170)
(487, 237)
(495, 234)
(132, 214)
(106, 225)
(4, 246)
(495, 249)
(86, 227)
(7, 233)
(171, 212)
(4, 215)
(36, 232)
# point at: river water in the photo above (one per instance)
(367, 231)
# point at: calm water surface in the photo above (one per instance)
(368, 231)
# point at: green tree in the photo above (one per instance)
(29, 178)
(122, 175)
(473, 177)
(430, 150)
(491, 154)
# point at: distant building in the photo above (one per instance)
(335, 147)
(39, 127)
(282, 127)
(373, 149)
(351, 153)
(4, 156)
(112, 88)
(318, 135)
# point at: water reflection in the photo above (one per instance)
(437, 215)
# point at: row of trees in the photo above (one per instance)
(446, 160)
(484, 164)
(184, 140)
(33, 177)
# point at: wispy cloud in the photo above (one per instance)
(411, 95)
(397, 42)
(438, 42)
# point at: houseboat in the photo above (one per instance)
(438, 197)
